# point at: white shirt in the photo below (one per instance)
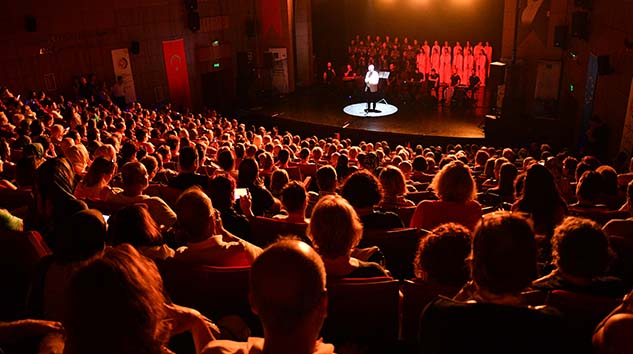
(372, 79)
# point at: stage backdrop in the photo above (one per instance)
(335, 22)
(177, 74)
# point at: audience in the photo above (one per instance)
(135, 180)
(95, 184)
(363, 191)
(207, 242)
(456, 189)
(335, 230)
(294, 202)
(490, 315)
(287, 292)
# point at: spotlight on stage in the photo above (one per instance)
(383, 109)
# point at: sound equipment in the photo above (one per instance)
(135, 48)
(604, 65)
(269, 60)
(560, 37)
(583, 4)
(194, 21)
(580, 25)
(30, 24)
(191, 5)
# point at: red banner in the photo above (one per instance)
(271, 18)
(177, 74)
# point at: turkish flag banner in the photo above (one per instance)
(177, 74)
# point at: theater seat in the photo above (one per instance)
(399, 247)
(363, 311)
(623, 265)
(417, 197)
(294, 173)
(214, 291)
(405, 214)
(265, 231)
(20, 252)
(601, 216)
(308, 170)
(582, 312)
(416, 295)
(14, 199)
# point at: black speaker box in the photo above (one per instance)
(191, 5)
(30, 24)
(604, 65)
(194, 21)
(584, 4)
(135, 48)
(580, 24)
(560, 37)
(269, 60)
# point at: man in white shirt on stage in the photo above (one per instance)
(371, 81)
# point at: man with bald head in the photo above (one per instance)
(287, 292)
(208, 243)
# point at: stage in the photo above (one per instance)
(320, 111)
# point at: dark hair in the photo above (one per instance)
(83, 236)
(540, 197)
(503, 254)
(362, 189)
(589, 186)
(326, 178)
(99, 168)
(293, 196)
(419, 164)
(507, 174)
(188, 157)
(247, 173)
(221, 189)
(116, 299)
(225, 159)
(580, 248)
(134, 225)
(283, 156)
(441, 255)
(151, 164)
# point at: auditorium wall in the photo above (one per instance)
(75, 37)
(608, 28)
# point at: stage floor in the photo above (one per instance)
(323, 107)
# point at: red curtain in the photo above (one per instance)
(177, 74)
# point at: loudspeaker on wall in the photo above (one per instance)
(30, 24)
(194, 21)
(560, 37)
(135, 48)
(580, 24)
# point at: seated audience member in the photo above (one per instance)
(222, 193)
(456, 190)
(207, 243)
(335, 230)
(115, 304)
(84, 236)
(53, 199)
(226, 162)
(287, 292)
(364, 192)
(395, 188)
(106, 151)
(609, 194)
(187, 176)
(278, 180)
(248, 177)
(79, 161)
(326, 181)
(442, 256)
(507, 175)
(581, 256)
(622, 227)
(613, 334)
(494, 319)
(541, 199)
(133, 224)
(588, 191)
(294, 203)
(95, 184)
(135, 181)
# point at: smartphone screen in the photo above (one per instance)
(240, 192)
